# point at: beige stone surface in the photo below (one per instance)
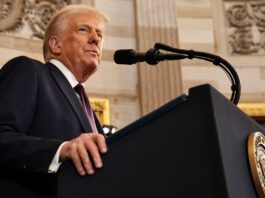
(195, 31)
(194, 3)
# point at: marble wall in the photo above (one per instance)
(231, 29)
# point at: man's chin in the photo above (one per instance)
(92, 63)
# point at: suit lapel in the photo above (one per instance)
(70, 96)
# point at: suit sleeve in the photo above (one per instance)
(18, 99)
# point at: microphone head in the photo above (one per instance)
(125, 56)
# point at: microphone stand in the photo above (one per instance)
(153, 56)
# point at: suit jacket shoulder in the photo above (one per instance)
(20, 147)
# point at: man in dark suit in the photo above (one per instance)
(42, 121)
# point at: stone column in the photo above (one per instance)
(157, 22)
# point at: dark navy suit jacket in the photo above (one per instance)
(38, 111)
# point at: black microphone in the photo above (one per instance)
(130, 56)
(152, 56)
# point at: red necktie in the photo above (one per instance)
(86, 105)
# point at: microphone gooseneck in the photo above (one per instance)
(153, 56)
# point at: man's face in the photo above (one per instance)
(81, 45)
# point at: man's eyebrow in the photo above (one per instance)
(90, 27)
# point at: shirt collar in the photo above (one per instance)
(66, 72)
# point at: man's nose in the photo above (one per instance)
(94, 37)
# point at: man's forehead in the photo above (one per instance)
(87, 20)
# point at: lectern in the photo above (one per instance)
(193, 146)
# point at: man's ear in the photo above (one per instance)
(55, 44)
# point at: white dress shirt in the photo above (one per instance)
(55, 164)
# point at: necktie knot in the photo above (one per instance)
(79, 90)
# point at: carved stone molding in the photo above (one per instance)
(30, 16)
(246, 27)
(11, 13)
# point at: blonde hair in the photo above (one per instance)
(59, 21)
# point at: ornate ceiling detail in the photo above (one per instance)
(246, 27)
(30, 16)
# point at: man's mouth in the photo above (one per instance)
(93, 52)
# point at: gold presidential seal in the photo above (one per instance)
(256, 157)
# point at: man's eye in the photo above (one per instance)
(82, 30)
